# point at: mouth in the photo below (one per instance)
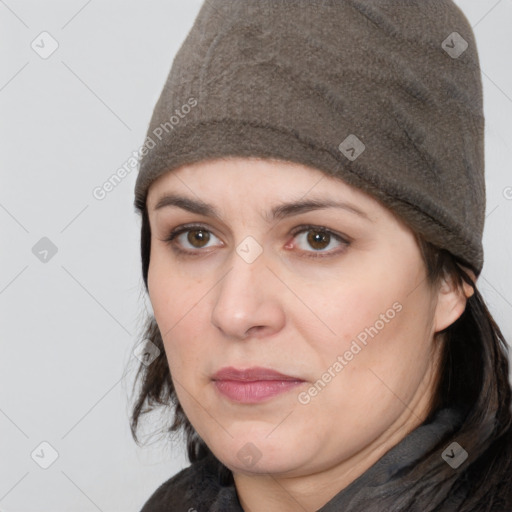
(253, 385)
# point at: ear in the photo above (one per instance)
(451, 300)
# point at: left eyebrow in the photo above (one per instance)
(277, 213)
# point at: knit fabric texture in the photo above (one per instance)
(384, 94)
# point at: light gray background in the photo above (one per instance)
(68, 326)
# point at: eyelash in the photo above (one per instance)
(300, 229)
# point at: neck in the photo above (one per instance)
(308, 492)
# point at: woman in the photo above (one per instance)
(312, 198)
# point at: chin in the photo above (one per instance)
(257, 455)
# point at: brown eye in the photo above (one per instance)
(196, 237)
(190, 239)
(318, 239)
(312, 240)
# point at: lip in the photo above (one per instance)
(253, 385)
(251, 374)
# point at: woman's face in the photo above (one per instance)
(347, 313)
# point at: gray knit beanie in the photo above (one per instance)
(384, 94)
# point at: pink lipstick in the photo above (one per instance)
(253, 385)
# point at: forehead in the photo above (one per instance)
(254, 178)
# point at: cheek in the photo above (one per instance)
(171, 293)
(381, 321)
(362, 311)
(385, 351)
(180, 314)
(180, 321)
(384, 303)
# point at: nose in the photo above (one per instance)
(247, 301)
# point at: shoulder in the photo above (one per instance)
(187, 490)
